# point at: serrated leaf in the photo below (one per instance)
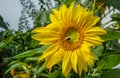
(31, 52)
(108, 62)
(112, 34)
(114, 73)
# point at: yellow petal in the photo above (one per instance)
(51, 28)
(66, 63)
(47, 42)
(57, 14)
(41, 37)
(76, 14)
(53, 18)
(95, 31)
(52, 49)
(70, 11)
(74, 59)
(88, 20)
(82, 65)
(92, 20)
(55, 58)
(95, 40)
(93, 56)
(64, 15)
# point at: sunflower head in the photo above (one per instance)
(71, 34)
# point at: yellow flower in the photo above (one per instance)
(18, 73)
(70, 35)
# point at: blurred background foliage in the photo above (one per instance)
(19, 52)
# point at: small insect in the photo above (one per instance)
(67, 38)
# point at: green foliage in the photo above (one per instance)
(108, 62)
(5, 42)
(42, 18)
(112, 34)
(31, 52)
(98, 50)
(113, 3)
(113, 73)
(54, 74)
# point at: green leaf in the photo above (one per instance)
(116, 17)
(14, 66)
(54, 74)
(114, 3)
(114, 73)
(26, 70)
(112, 34)
(6, 41)
(28, 59)
(3, 24)
(16, 76)
(68, 2)
(98, 50)
(42, 17)
(108, 62)
(40, 70)
(89, 76)
(31, 52)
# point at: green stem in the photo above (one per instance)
(83, 74)
(94, 6)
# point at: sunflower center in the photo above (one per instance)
(72, 35)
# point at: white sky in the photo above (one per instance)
(10, 11)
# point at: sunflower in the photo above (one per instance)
(71, 34)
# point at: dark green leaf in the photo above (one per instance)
(89, 76)
(6, 41)
(31, 59)
(68, 2)
(14, 66)
(98, 50)
(108, 62)
(54, 74)
(116, 17)
(40, 70)
(113, 3)
(114, 73)
(112, 34)
(3, 24)
(31, 52)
